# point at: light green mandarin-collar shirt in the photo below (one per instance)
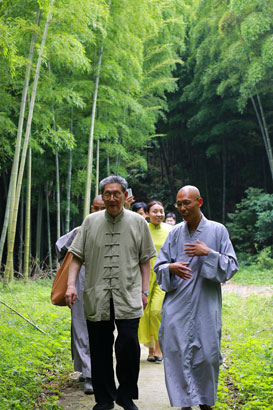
(112, 249)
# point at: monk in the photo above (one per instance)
(195, 259)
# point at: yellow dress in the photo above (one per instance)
(150, 322)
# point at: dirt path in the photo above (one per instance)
(152, 390)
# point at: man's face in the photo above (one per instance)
(98, 205)
(114, 198)
(170, 221)
(141, 212)
(188, 205)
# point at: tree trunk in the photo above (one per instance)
(87, 197)
(224, 161)
(48, 228)
(168, 170)
(15, 164)
(268, 148)
(58, 197)
(27, 221)
(97, 167)
(14, 210)
(21, 236)
(267, 139)
(107, 158)
(207, 191)
(39, 226)
(69, 173)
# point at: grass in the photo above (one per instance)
(246, 377)
(253, 275)
(30, 361)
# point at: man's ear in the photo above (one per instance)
(126, 195)
(200, 202)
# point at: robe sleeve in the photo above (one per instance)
(78, 245)
(166, 281)
(220, 266)
(64, 242)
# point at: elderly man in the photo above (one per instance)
(193, 262)
(116, 247)
(79, 334)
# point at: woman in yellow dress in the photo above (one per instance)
(150, 322)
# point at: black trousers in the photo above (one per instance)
(127, 349)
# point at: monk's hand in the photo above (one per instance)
(71, 295)
(144, 300)
(196, 249)
(180, 269)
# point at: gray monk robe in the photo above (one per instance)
(191, 324)
(79, 334)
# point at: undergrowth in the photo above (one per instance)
(246, 377)
(32, 362)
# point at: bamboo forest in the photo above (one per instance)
(164, 93)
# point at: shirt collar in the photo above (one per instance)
(155, 227)
(114, 219)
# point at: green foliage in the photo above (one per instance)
(30, 362)
(252, 221)
(248, 352)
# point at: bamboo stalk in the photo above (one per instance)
(87, 197)
(14, 210)
(97, 167)
(23, 317)
(27, 223)
(14, 171)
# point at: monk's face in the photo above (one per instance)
(114, 198)
(98, 205)
(188, 205)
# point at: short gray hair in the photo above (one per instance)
(113, 179)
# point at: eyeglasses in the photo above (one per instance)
(115, 195)
(185, 203)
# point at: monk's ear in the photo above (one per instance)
(200, 202)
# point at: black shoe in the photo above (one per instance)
(159, 359)
(104, 406)
(127, 404)
(205, 407)
(185, 408)
(151, 359)
(87, 387)
(81, 378)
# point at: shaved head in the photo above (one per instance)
(97, 198)
(98, 204)
(189, 202)
(190, 189)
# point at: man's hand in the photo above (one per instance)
(180, 269)
(71, 295)
(196, 249)
(144, 300)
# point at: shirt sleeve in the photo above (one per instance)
(166, 281)
(78, 244)
(222, 265)
(147, 250)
